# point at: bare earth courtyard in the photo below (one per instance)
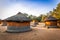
(37, 33)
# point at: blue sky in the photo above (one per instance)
(34, 7)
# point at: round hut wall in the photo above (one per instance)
(51, 23)
(18, 24)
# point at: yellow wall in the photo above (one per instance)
(50, 23)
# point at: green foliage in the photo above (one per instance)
(56, 12)
(26, 14)
(35, 18)
(39, 18)
(43, 17)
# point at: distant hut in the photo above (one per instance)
(0, 21)
(4, 23)
(58, 23)
(18, 23)
(51, 22)
(34, 23)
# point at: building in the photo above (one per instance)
(58, 23)
(18, 23)
(0, 21)
(51, 22)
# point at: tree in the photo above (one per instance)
(32, 17)
(35, 18)
(56, 12)
(26, 14)
(43, 17)
(39, 18)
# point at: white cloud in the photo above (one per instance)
(33, 9)
(13, 9)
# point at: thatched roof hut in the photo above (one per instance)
(51, 22)
(50, 18)
(18, 17)
(58, 23)
(18, 23)
(4, 23)
(0, 21)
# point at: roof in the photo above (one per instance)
(18, 17)
(50, 18)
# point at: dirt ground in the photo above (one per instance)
(37, 33)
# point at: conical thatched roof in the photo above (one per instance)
(18, 17)
(50, 18)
